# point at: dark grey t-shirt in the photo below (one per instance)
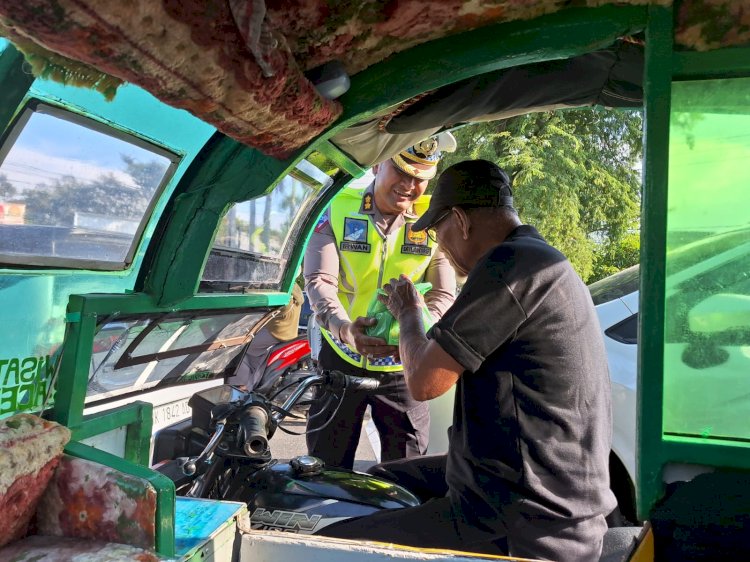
(531, 427)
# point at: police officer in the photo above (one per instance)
(362, 240)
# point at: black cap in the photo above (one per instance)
(468, 184)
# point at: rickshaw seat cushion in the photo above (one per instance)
(30, 449)
(65, 549)
(88, 500)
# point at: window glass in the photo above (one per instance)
(707, 314)
(72, 195)
(625, 331)
(256, 237)
(133, 354)
(615, 286)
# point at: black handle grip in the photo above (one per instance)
(338, 380)
(362, 383)
(254, 424)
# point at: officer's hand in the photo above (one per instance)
(353, 333)
(400, 295)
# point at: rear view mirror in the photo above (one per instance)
(713, 323)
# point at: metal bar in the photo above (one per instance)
(657, 97)
(102, 422)
(136, 417)
(138, 436)
(340, 158)
(295, 260)
(165, 491)
(721, 63)
(72, 380)
(138, 303)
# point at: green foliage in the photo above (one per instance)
(575, 177)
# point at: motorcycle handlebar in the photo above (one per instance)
(338, 380)
(254, 424)
(331, 380)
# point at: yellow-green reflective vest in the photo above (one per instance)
(369, 260)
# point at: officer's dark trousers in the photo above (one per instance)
(402, 422)
(437, 524)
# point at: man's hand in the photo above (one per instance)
(353, 333)
(401, 295)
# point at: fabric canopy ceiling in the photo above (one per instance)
(239, 64)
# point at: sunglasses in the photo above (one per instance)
(431, 232)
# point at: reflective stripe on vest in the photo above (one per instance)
(367, 261)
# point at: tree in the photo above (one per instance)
(146, 175)
(6, 188)
(575, 177)
(57, 203)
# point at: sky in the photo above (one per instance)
(49, 148)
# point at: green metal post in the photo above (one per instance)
(73, 374)
(657, 95)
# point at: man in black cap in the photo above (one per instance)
(526, 471)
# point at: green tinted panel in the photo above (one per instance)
(707, 326)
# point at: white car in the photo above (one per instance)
(706, 352)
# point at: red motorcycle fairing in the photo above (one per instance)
(288, 354)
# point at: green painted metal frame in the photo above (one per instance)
(15, 83)
(218, 176)
(82, 315)
(136, 417)
(338, 157)
(657, 96)
(165, 491)
(657, 449)
(295, 259)
(722, 63)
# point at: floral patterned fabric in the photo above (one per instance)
(712, 24)
(92, 501)
(30, 448)
(61, 549)
(237, 64)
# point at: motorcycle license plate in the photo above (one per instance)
(167, 414)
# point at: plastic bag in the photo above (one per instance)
(387, 326)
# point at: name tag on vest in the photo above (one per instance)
(355, 247)
(415, 250)
(415, 242)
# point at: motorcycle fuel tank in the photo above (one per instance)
(302, 497)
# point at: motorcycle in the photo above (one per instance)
(231, 429)
(283, 365)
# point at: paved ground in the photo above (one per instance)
(285, 447)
